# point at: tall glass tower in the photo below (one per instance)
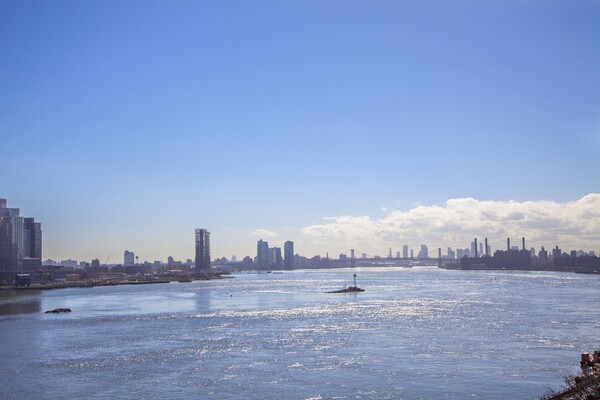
(288, 254)
(202, 249)
(20, 243)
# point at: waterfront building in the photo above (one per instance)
(474, 248)
(20, 244)
(262, 253)
(202, 261)
(460, 253)
(405, 251)
(275, 257)
(543, 255)
(69, 263)
(556, 253)
(128, 258)
(424, 252)
(32, 246)
(288, 254)
(247, 262)
(451, 253)
(412, 253)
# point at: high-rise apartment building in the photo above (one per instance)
(424, 252)
(262, 253)
(288, 254)
(451, 253)
(474, 249)
(20, 244)
(275, 257)
(202, 261)
(128, 258)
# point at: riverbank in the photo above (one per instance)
(133, 280)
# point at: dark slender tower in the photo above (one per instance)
(202, 249)
(288, 254)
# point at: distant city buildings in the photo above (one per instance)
(271, 257)
(128, 258)
(202, 261)
(460, 253)
(451, 253)
(424, 252)
(21, 255)
(474, 249)
(20, 244)
(275, 258)
(288, 254)
(262, 254)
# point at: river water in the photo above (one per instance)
(419, 333)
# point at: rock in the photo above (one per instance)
(58, 311)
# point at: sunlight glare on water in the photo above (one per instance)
(418, 333)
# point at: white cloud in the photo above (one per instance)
(265, 233)
(571, 225)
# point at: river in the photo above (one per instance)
(416, 333)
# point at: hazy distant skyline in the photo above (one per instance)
(126, 125)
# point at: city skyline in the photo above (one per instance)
(573, 226)
(331, 124)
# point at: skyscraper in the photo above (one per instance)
(32, 245)
(275, 257)
(202, 261)
(262, 254)
(405, 251)
(424, 252)
(288, 254)
(20, 243)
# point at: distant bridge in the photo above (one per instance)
(439, 260)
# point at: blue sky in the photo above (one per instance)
(125, 125)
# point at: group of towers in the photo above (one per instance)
(270, 257)
(266, 257)
(20, 244)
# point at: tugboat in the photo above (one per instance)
(349, 289)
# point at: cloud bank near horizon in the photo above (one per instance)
(264, 234)
(570, 225)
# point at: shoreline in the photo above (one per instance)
(88, 284)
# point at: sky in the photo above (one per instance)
(125, 125)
